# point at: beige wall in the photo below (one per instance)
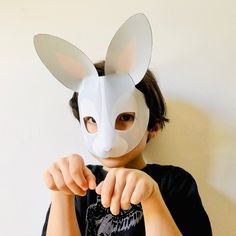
(194, 57)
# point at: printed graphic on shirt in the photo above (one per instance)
(100, 221)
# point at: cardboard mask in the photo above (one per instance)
(104, 98)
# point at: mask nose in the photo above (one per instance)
(109, 144)
(104, 142)
(107, 148)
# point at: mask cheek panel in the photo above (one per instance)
(126, 103)
(89, 115)
(135, 125)
(124, 121)
(90, 124)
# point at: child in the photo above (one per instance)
(120, 107)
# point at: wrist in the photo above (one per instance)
(154, 199)
(62, 218)
(60, 197)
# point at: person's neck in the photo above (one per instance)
(137, 163)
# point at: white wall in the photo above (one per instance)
(194, 56)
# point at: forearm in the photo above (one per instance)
(62, 219)
(157, 218)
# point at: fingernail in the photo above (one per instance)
(84, 188)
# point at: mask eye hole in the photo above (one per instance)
(125, 120)
(90, 124)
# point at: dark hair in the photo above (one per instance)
(154, 99)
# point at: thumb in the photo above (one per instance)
(89, 176)
(99, 188)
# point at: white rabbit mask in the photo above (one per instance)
(105, 97)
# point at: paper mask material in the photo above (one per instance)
(104, 98)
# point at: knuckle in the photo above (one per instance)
(80, 182)
(51, 185)
(69, 181)
(61, 185)
(62, 161)
(121, 173)
(48, 180)
(113, 171)
(132, 176)
(117, 172)
(143, 185)
(76, 157)
(74, 172)
(53, 167)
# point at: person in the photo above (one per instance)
(119, 113)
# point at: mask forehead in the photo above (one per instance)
(107, 97)
(119, 95)
(104, 98)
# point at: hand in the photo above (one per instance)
(70, 176)
(123, 187)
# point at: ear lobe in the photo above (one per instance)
(152, 134)
(130, 49)
(66, 62)
(154, 131)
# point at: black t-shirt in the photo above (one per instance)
(178, 189)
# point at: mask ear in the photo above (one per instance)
(66, 62)
(130, 49)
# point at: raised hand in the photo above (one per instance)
(70, 176)
(123, 187)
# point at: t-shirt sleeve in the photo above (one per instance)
(186, 206)
(44, 230)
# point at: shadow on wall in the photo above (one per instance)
(200, 144)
